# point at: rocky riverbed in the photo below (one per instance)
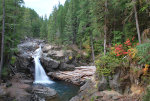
(22, 89)
(62, 65)
(57, 64)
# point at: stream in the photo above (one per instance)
(64, 90)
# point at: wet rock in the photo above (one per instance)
(103, 84)
(24, 56)
(41, 93)
(66, 67)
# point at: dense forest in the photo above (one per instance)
(112, 33)
(20, 22)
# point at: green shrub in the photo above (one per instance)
(107, 64)
(144, 53)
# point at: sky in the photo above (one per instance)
(43, 7)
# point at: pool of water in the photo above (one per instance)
(64, 90)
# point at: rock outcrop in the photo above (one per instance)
(85, 92)
(77, 77)
(23, 90)
(89, 92)
(66, 67)
(49, 63)
(41, 93)
(103, 84)
(52, 59)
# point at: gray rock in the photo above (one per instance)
(85, 92)
(25, 98)
(87, 85)
(23, 62)
(111, 94)
(40, 93)
(103, 84)
(49, 63)
(66, 67)
(28, 46)
(76, 98)
(24, 56)
(114, 83)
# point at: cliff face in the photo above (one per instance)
(52, 57)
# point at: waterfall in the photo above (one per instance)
(40, 75)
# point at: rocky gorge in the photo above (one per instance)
(62, 65)
(56, 62)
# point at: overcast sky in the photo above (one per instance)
(43, 7)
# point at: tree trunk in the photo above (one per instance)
(105, 28)
(80, 44)
(74, 38)
(137, 22)
(93, 54)
(2, 43)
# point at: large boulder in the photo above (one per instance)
(27, 47)
(41, 93)
(66, 67)
(53, 52)
(24, 61)
(49, 63)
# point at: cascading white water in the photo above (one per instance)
(40, 75)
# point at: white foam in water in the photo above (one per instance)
(40, 75)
